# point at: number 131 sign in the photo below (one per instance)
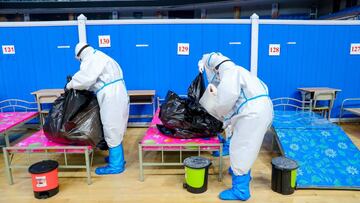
(8, 49)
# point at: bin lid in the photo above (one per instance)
(197, 162)
(284, 163)
(43, 167)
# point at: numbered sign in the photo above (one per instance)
(8, 49)
(355, 49)
(274, 49)
(104, 41)
(183, 49)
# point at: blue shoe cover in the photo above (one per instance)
(221, 138)
(224, 153)
(106, 159)
(240, 188)
(226, 148)
(116, 162)
(230, 171)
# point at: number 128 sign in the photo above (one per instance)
(274, 49)
(183, 49)
(104, 41)
(8, 49)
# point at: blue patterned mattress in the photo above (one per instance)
(326, 155)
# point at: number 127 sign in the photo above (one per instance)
(355, 49)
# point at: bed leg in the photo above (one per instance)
(92, 158)
(220, 163)
(272, 141)
(41, 119)
(7, 166)
(7, 141)
(88, 169)
(341, 114)
(141, 166)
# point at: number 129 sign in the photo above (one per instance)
(274, 49)
(104, 41)
(183, 49)
(8, 49)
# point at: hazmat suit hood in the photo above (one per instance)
(82, 51)
(211, 63)
(86, 53)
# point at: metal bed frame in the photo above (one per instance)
(302, 107)
(196, 148)
(9, 153)
(355, 111)
(11, 105)
(288, 103)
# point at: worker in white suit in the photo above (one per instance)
(241, 101)
(103, 75)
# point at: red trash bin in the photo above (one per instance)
(44, 176)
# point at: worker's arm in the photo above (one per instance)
(87, 75)
(228, 91)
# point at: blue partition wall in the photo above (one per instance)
(317, 56)
(158, 66)
(39, 63)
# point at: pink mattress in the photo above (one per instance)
(9, 120)
(154, 136)
(38, 139)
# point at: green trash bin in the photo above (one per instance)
(196, 174)
(283, 175)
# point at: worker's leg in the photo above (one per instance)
(114, 113)
(245, 145)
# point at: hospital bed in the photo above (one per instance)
(353, 107)
(327, 158)
(155, 141)
(13, 114)
(37, 144)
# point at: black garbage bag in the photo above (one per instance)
(75, 120)
(196, 88)
(185, 117)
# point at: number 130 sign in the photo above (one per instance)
(104, 41)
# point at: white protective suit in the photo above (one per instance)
(241, 101)
(103, 75)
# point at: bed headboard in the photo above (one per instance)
(287, 103)
(13, 105)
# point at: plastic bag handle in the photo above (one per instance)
(68, 79)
